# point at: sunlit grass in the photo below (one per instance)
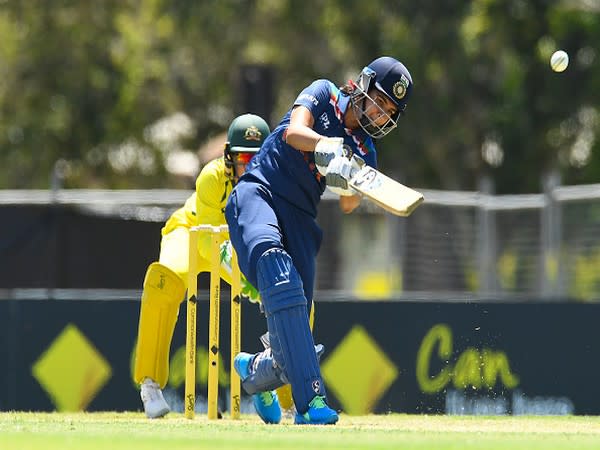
(115, 431)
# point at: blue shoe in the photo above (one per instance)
(267, 406)
(241, 364)
(266, 403)
(318, 413)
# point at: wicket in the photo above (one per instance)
(216, 237)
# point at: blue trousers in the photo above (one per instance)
(277, 244)
(259, 221)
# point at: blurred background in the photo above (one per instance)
(130, 95)
(115, 91)
(109, 109)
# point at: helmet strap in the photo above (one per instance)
(229, 166)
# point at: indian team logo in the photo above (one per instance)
(252, 134)
(400, 87)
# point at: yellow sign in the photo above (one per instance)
(71, 370)
(358, 372)
(473, 368)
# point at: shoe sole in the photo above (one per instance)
(302, 421)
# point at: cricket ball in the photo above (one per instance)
(559, 61)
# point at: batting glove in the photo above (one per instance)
(326, 150)
(357, 163)
(339, 172)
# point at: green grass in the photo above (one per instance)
(132, 431)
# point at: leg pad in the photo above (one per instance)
(162, 294)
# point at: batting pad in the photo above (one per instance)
(284, 393)
(289, 330)
(163, 292)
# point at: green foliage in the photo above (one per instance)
(81, 81)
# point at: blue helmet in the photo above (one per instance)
(389, 76)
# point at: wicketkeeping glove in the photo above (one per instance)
(326, 150)
(250, 291)
(225, 252)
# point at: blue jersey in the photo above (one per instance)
(291, 174)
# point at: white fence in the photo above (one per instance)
(455, 246)
(462, 245)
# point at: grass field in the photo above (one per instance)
(132, 431)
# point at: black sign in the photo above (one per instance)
(495, 358)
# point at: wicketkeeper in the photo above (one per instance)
(166, 280)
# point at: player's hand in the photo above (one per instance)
(357, 163)
(337, 175)
(338, 172)
(326, 150)
(225, 252)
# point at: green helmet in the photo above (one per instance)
(244, 138)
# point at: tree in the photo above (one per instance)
(85, 83)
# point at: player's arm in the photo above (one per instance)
(349, 203)
(300, 133)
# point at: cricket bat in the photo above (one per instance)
(385, 192)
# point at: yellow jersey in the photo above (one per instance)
(206, 205)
